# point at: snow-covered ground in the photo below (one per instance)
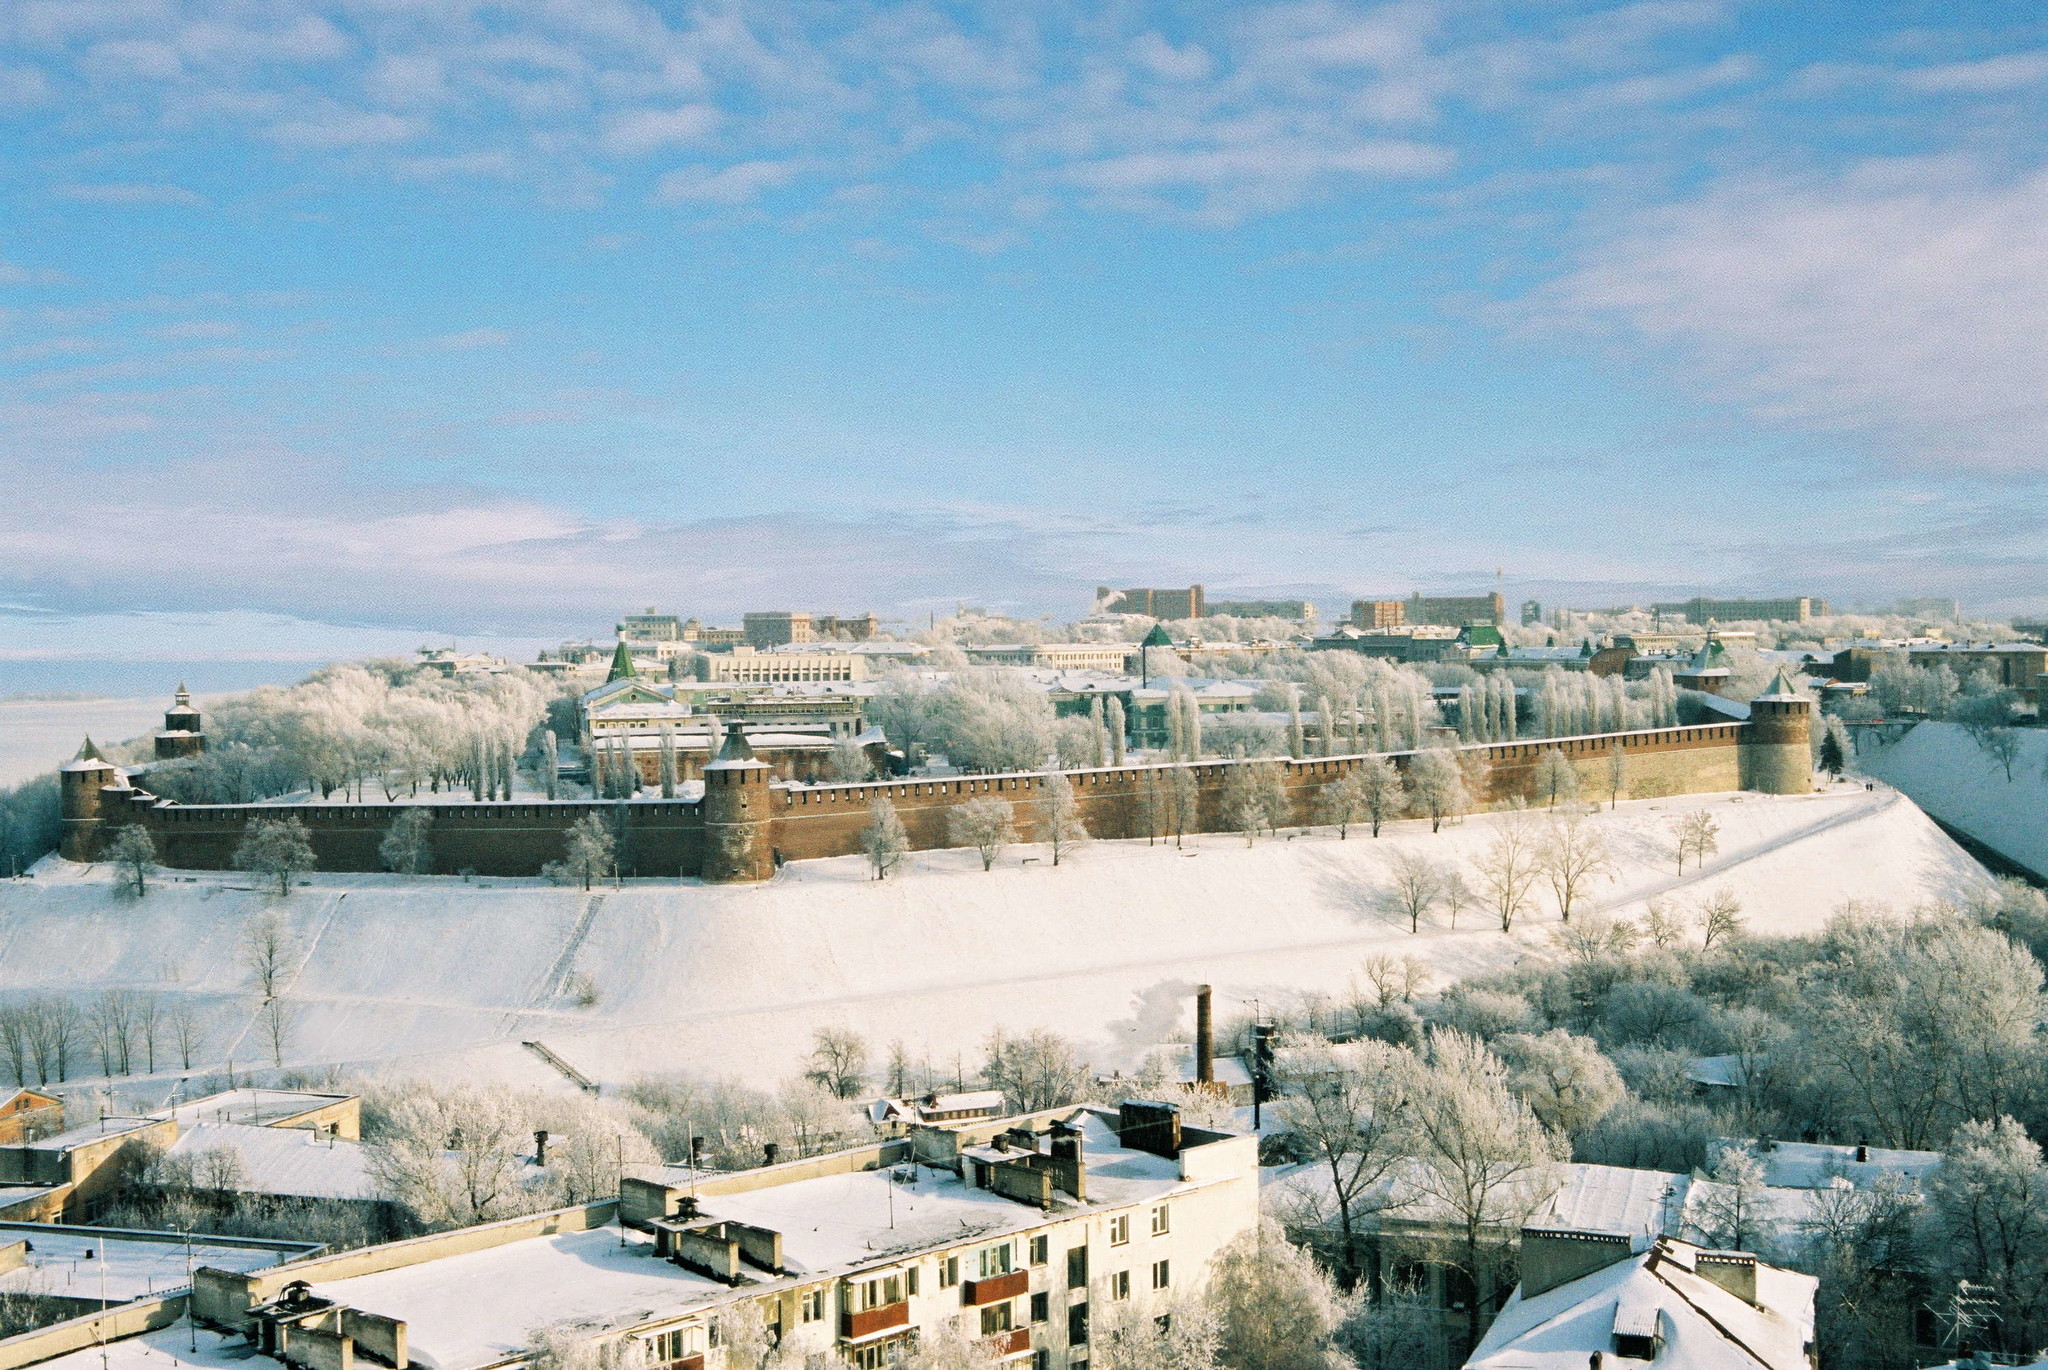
(434, 976)
(1958, 782)
(37, 735)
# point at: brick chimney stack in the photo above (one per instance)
(1205, 1039)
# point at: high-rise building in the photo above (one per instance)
(776, 627)
(1187, 603)
(1792, 609)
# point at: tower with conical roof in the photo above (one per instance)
(79, 782)
(183, 731)
(622, 663)
(737, 815)
(1777, 756)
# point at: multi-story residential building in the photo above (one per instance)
(651, 626)
(772, 629)
(747, 665)
(1701, 610)
(1378, 613)
(1029, 1234)
(1057, 656)
(1172, 604)
(2015, 665)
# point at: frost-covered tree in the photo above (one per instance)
(1564, 1079)
(1732, 1211)
(1276, 1308)
(1436, 786)
(588, 850)
(665, 762)
(133, 853)
(275, 848)
(551, 763)
(1557, 780)
(1254, 798)
(405, 848)
(1341, 803)
(1990, 1206)
(1183, 796)
(1486, 1158)
(450, 1155)
(883, 840)
(1059, 817)
(985, 824)
(1037, 1071)
(1119, 729)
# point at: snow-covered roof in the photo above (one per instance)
(87, 1262)
(285, 1160)
(1811, 1165)
(256, 1107)
(1701, 1326)
(1610, 1198)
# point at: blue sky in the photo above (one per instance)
(497, 318)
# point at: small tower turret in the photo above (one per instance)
(737, 815)
(184, 729)
(1777, 757)
(80, 781)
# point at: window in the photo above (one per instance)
(876, 1293)
(995, 1318)
(1077, 1325)
(1041, 1307)
(995, 1260)
(1120, 1229)
(949, 1271)
(811, 1305)
(1077, 1267)
(910, 1281)
(1162, 1276)
(1041, 1359)
(1120, 1285)
(1041, 1249)
(712, 1336)
(674, 1344)
(1160, 1222)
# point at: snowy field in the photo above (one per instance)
(38, 735)
(1958, 782)
(431, 976)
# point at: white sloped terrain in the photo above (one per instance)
(435, 976)
(1960, 783)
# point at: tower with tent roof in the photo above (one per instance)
(183, 732)
(737, 816)
(80, 782)
(1777, 758)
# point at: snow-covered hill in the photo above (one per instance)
(1958, 782)
(434, 976)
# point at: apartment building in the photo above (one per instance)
(1057, 656)
(1031, 1234)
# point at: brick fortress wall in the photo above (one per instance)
(667, 837)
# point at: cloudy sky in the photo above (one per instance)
(496, 318)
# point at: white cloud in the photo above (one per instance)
(13, 274)
(470, 340)
(633, 132)
(729, 185)
(343, 128)
(2011, 71)
(23, 86)
(1903, 303)
(128, 194)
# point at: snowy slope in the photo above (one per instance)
(1954, 779)
(435, 976)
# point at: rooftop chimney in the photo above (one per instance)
(769, 1151)
(1205, 1039)
(540, 1147)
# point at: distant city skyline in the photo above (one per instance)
(498, 323)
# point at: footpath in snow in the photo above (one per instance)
(1958, 782)
(436, 977)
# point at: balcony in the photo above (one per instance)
(854, 1326)
(1008, 1344)
(975, 1292)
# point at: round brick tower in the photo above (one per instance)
(183, 732)
(737, 816)
(1777, 758)
(79, 782)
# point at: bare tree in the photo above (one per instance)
(883, 839)
(985, 824)
(1695, 835)
(839, 1061)
(1663, 927)
(1573, 857)
(405, 848)
(268, 949)
(1059, 817)
(188, 1030)
(1509, 868)
(2003, 745)
(1349, 1112)
(1720, 920)
(1414, 886)
(1037, 1071)
(133, 852)
(113, 1027)
(1617, 773)
(1732, 1209)
(279, 1017)
(276, 849)
(1458, 894)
